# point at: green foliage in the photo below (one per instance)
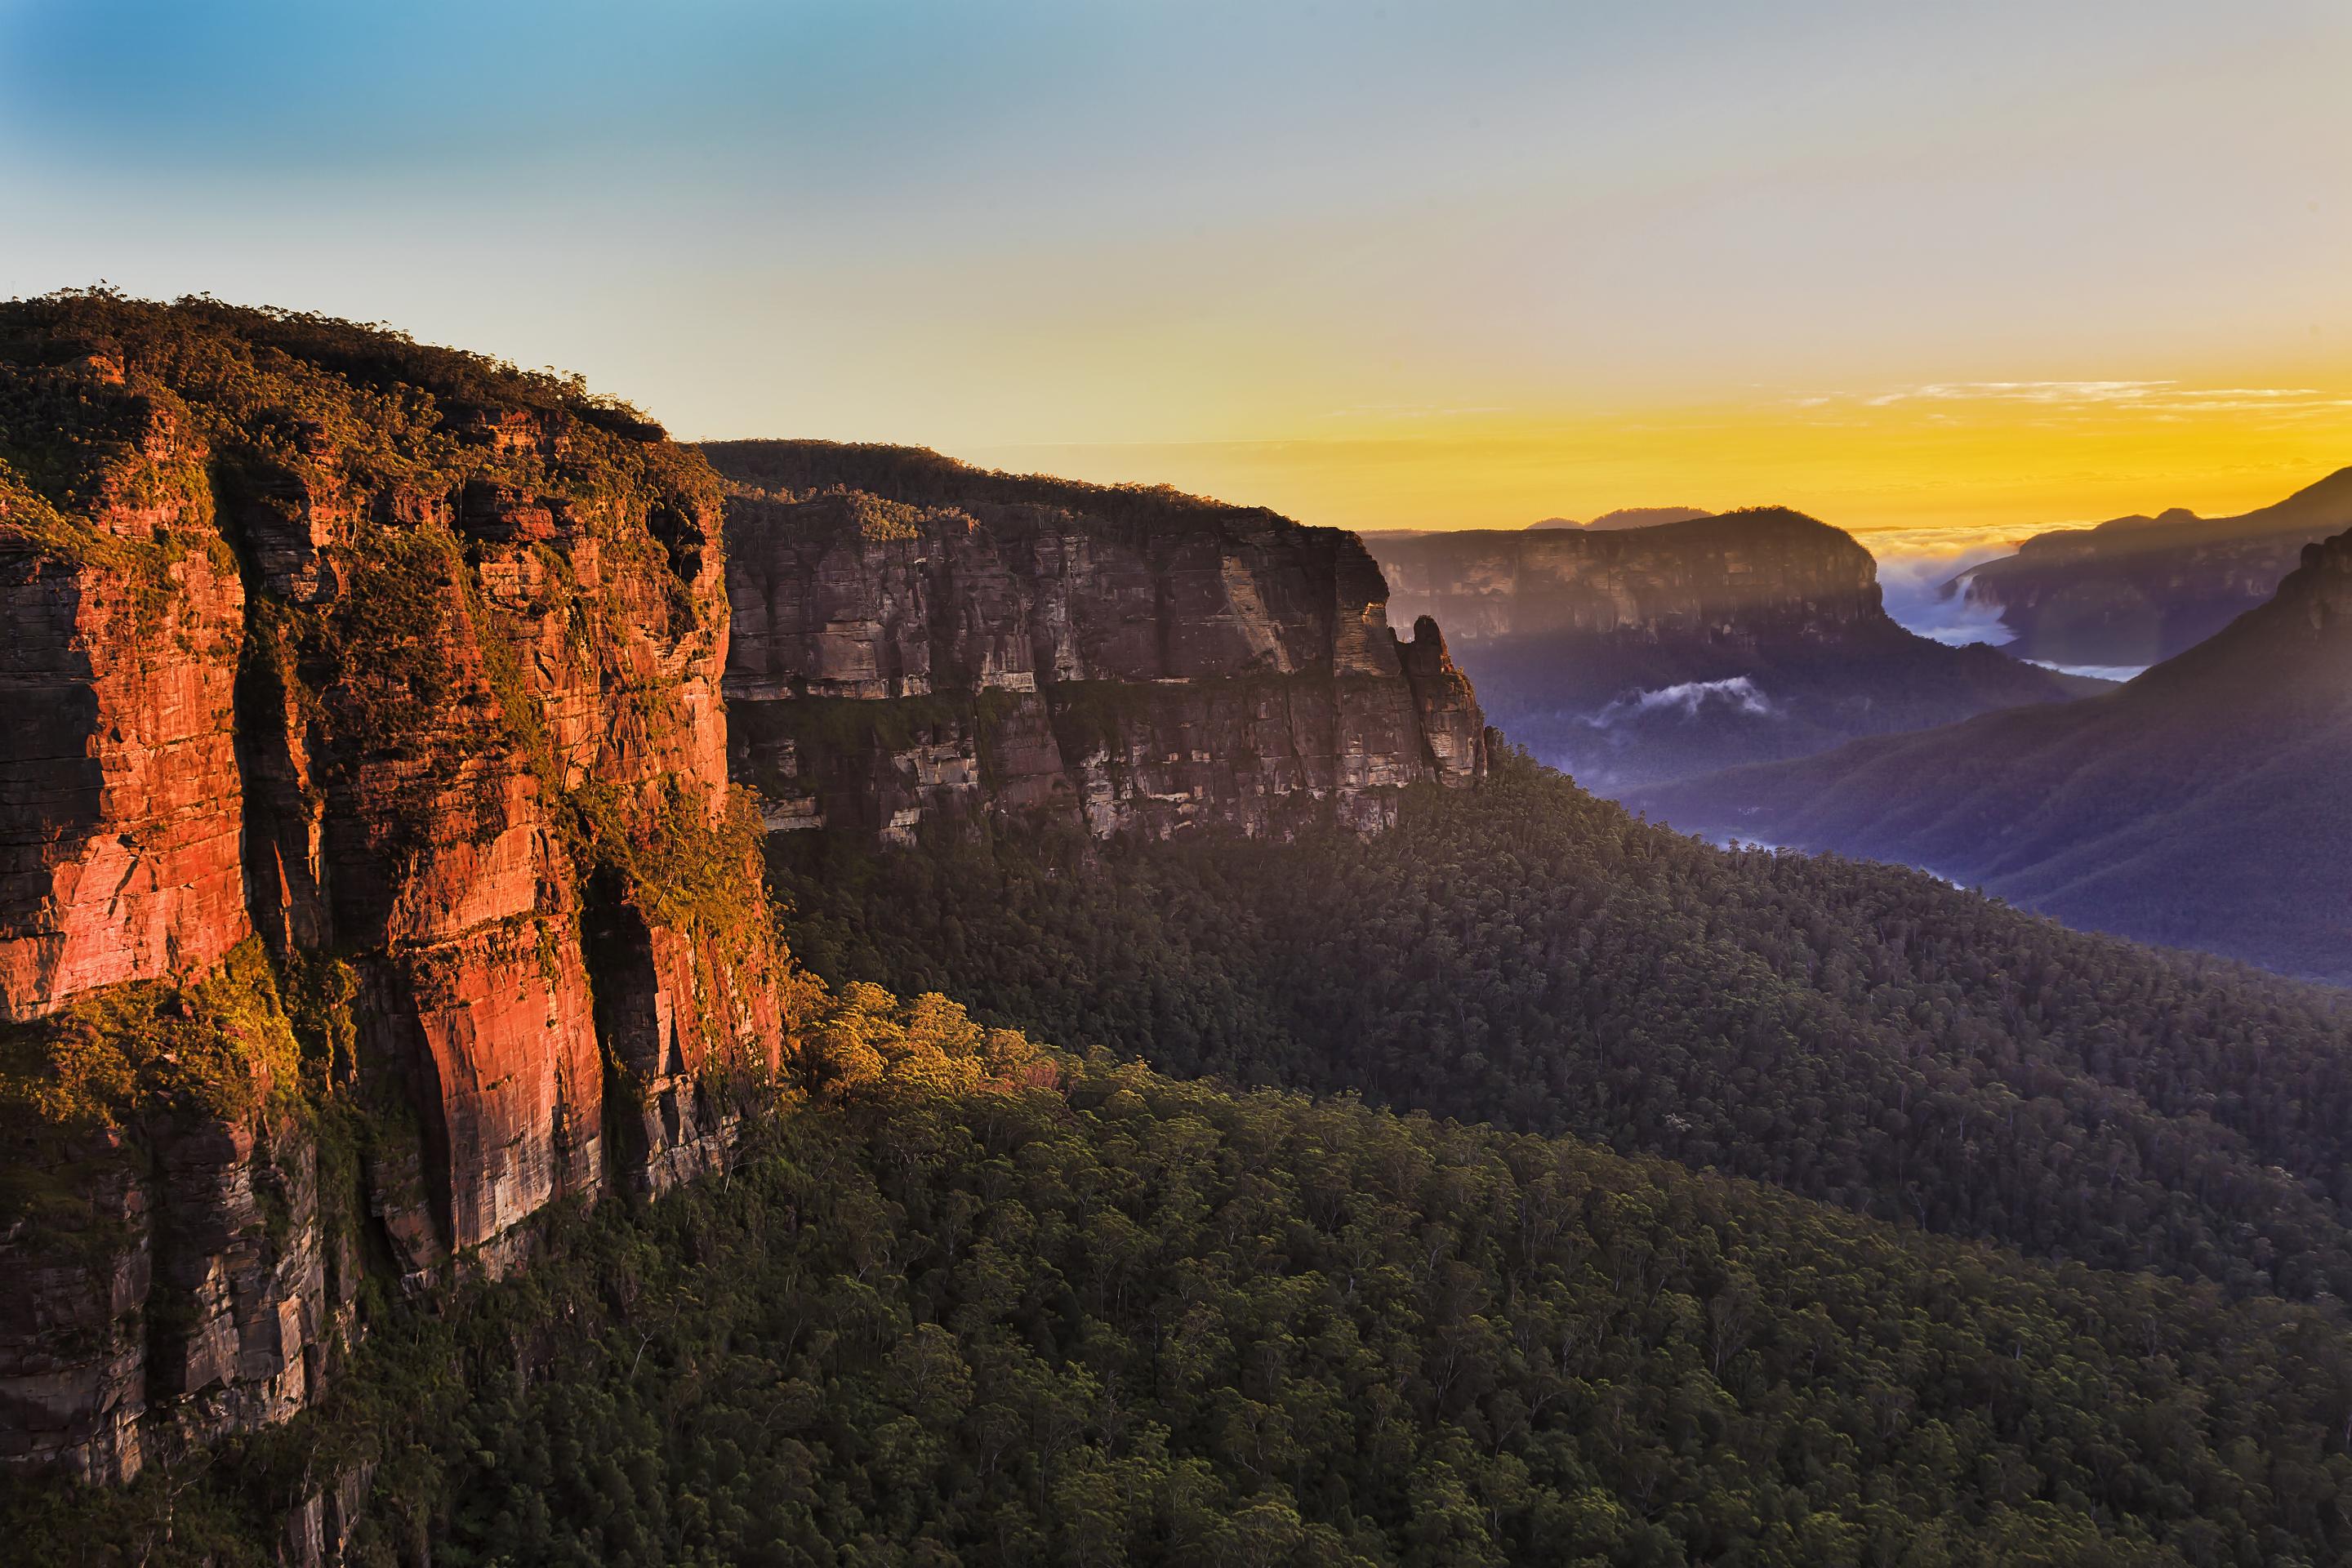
(220, 1047)
(864, 1038)
(1527, 954)
(1140, 1322)
(917, 477)
(886, 521)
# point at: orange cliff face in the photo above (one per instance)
(375, 687)
(120, 805)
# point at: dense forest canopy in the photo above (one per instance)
(975, 1304)
(1531, 955)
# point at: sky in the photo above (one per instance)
(1937, 274)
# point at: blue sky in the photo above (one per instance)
(1140, 240)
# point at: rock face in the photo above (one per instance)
(380, 685)
(120, 801)
(1743, 574)
(918, 641)
(2137, 590)
(1631, 655)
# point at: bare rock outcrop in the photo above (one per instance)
(119, 799)
(380, 685)
(916, 640)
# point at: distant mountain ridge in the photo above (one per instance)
(1628, 656)
(1627, 517)
(2202, 806)
(2137, 590)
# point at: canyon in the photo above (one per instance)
(1631, 656)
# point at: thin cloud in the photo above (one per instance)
(2158, 397)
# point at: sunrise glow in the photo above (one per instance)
(1927, 275)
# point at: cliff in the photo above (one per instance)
(369, 878)
(920, 641)
(2136, 590)
(1741, 574)
(1628, 656)
(2201, 805)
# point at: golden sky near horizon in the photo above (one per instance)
(1926, 469)
(1936, 274)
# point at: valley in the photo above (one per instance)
(1637, 656)
(1028, 785)
(572, 997)
(2201, 805)
(2137, 590)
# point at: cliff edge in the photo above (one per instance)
(918, 640)
(359, 703)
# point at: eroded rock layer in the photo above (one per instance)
(916, 640)
(362, 767)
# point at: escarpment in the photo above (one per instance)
(1737, 575)
(2136, 590)
(1631, 656)
(918, 641)
(370, 876)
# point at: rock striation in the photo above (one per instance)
(917, 641)
(360, 712)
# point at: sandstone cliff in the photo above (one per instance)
(1742, 573)
(916, 640)
(370, 876)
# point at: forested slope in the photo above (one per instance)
(974, 1305)
(468, 1171)
(1531, 955)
